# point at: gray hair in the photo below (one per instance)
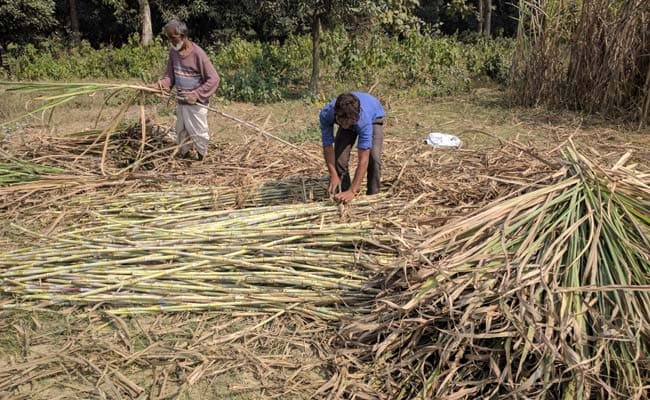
(179, 26)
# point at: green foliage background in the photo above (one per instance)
(264, 72)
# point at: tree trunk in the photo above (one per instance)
(643, 117)
(315, 53)
(146, 32)
(480, 16)
(74, 22)
(488, 19)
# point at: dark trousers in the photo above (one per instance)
(343, 144)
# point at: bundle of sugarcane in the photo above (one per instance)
(48, 191)
(54, 94)
(59, 93)
(148, 148)
(14, 171)
(181, 199)
(81, 152)
(543, 295)
(266, 258)
(20, 179)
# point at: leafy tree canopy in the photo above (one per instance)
(111, 22)
(25, 20)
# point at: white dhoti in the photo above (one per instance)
(192, 128)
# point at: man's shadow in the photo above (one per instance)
(292, 190)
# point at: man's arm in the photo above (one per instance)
(328, 153)
(335, 181)
(362, 168)
(209, 76)
(326, 122)
(364, 145)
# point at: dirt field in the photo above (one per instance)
(408, 118)
(180, 355)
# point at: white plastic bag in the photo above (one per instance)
(438, 139)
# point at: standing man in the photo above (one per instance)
(357, 115)
(189, 69)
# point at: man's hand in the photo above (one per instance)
(345, 197)
(335, 185)
(191, 98)
(158, 86)
(155, 85)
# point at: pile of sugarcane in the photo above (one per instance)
(15, 171)
(131, 148)
(542, 295)
(54, 94)
(267, 258)
(179, 199)
(128, 148)
(131, 145)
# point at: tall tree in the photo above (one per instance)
(318, 12)
(480, 16)
(394, 15)
(146, 32)
(315, 53)
(484, 18)
(125, 10)
(487, 26)
(74, 22)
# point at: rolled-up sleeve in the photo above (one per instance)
(365, 137)
(327, 125)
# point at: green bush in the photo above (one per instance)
(436, 65)
(310, 134)
(261, 74)
(53, 61)
(266, 72)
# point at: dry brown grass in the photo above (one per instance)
(84, 352)
(184, 355)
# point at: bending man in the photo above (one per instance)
(358, 115)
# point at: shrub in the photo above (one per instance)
(260, 75)
(265, 72)
(53, 61)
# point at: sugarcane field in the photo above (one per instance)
(325, 200)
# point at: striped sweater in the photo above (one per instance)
(191, 72)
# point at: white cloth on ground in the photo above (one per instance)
(438, 139)
(192, 127)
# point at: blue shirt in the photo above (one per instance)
(371, 109)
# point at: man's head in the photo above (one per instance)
(346, 110)
(176, 32)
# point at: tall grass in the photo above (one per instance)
(587, 55)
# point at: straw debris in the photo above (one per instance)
(546, 292)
